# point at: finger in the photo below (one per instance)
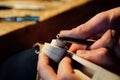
(74, 47)
(45, 71)
(95, 25)
(65, 68)
(65, 71)
(98, 56)
(80, 32)
(107, 40)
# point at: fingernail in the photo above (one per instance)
(63, 32)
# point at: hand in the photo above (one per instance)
(46, 72)
(102, 27)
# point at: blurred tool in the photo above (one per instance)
(20, 19)
(22, 6)
(2, 7)
(31, 7)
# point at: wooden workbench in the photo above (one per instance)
(51, 9)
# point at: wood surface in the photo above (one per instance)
(51, 9)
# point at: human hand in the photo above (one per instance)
(103, 29)
(64, 72)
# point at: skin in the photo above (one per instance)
(64, 72)
(102, 28)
